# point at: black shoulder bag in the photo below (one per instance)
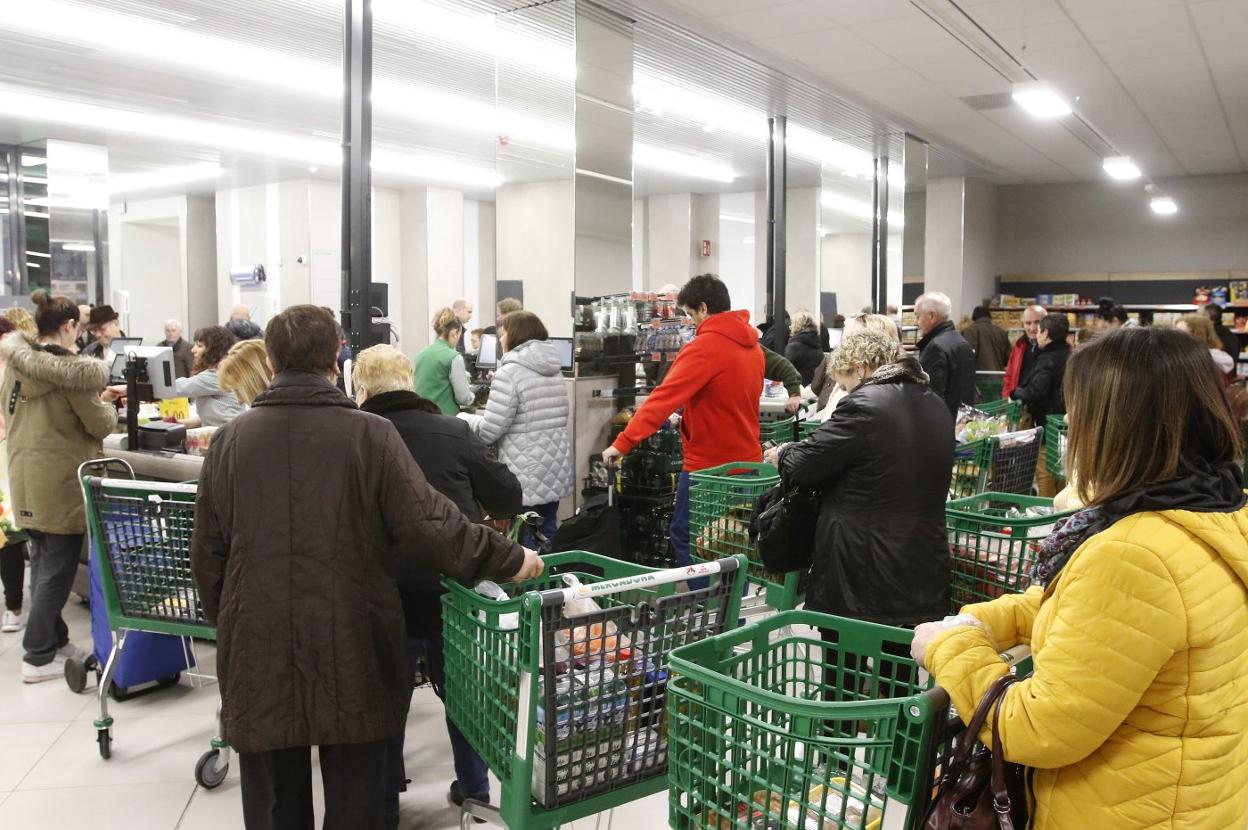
(783, 528)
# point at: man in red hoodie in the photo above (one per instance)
(717, 378)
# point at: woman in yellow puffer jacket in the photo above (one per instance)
(1136, 715)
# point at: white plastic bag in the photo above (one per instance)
(491, 590)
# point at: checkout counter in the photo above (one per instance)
(154, 465)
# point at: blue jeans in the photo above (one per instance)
(679, 531)
(549, 524)
(470, 770)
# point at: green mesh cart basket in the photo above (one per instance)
(143, 531)
(834, 728)
(807, 428)
(989, 385)
(564, 703)
(721, 504)
(1012, 410)
(993, 544)
(972, 466)
(827, 728)
(1055, 445)
(778, 432)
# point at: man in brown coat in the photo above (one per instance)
(990, 342)
(305, 506)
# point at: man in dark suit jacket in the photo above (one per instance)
(183, 360)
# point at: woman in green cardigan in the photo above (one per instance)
(440, 375)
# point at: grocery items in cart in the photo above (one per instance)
(975, 423)
(568, 709)
(993, 541)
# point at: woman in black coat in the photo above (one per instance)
(1042, 393)
(882, 463)
(457, 465)
(804, 349)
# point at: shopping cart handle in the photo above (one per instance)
(561, 596)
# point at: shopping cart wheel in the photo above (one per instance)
(207, 773)
(76, 674)
(105, 737)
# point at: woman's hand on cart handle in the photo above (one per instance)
(925, 633)
(531, 568)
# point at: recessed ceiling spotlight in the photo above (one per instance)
(313, 169)
(1040, 100)
(1121, 168)
(1164, 206)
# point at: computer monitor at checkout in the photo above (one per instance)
(487, 355)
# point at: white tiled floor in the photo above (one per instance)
(52, 776)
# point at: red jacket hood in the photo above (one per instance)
(734, 325)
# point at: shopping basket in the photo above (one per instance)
(721, 504)
(567, 709)
(972, 464)
(1055, 445)
(777, 432)
(993, 544)
(807, 428)
(143, 530)
(1012, 410)
(832, 728)
(1015, 456)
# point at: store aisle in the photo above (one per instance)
(51, 775)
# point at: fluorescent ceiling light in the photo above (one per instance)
(1121, 168)
(682, 164)
(33, 161)
(34, 214)
(33, 265)
(84, 247)
(1040, 100)
(859, 209)
(167, 177)
(247, 140)
(1164, 206)
(39, 253)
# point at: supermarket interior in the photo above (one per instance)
(681, 414)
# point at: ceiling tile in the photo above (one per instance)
(912, 40)
(1203, 146)
(774, 21)
(831, 52)
(1115, 8)
(716, 8)
(963, 74)
(1021, 39)
(851, 12)
(1140, 21)
(998, 15)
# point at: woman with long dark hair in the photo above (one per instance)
(1136, 715)
(214, 406)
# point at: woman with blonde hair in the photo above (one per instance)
(457, 465)
(1201, 327)
(22, 320)
(804, 350)
(245, 371)
(823, 384)
(440, 374)
(882, 463)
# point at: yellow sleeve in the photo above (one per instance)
(1118, 618)
(1010, 617)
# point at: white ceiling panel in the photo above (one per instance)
(1114, 8)
(850, 12)
(912, 40)
(1022, 40)
(709, 7)
(964, 74)
(1142, 20)
(1051, 140)
(1202, 145)
(774, 21)
(1002, 15)
(835, 51)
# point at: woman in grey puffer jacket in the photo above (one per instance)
(527, 416)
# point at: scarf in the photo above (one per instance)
(1207, 489)
(905, 370)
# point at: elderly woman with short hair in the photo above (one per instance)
(882, 463)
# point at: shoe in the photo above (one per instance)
(456, 796)
(71, 652)
(38, 674)
(12, 622)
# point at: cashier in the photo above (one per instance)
(214, 406)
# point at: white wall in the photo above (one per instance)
(152, 273)
(1095, 227)
(201, 262)
(846, 269)
(979, 246)
(737, 243)
(669, 231)
(641, 254)
(802, 273)
(486, 259)
(536, 244)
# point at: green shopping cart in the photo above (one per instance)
(804, 720)
(561, 687)
(143, 530)
(721, 504)
(1055, 445)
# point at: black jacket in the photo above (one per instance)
(882, 462)
(456, 464)
(1230, 340)
(804, 352)
(1042, 393)
(950, 365)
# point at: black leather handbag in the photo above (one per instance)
(783, 528)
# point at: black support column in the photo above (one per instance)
(357, 146)
(879, 234)
(777, 200)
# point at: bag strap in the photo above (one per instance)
(990, 699)
(1001, 800)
